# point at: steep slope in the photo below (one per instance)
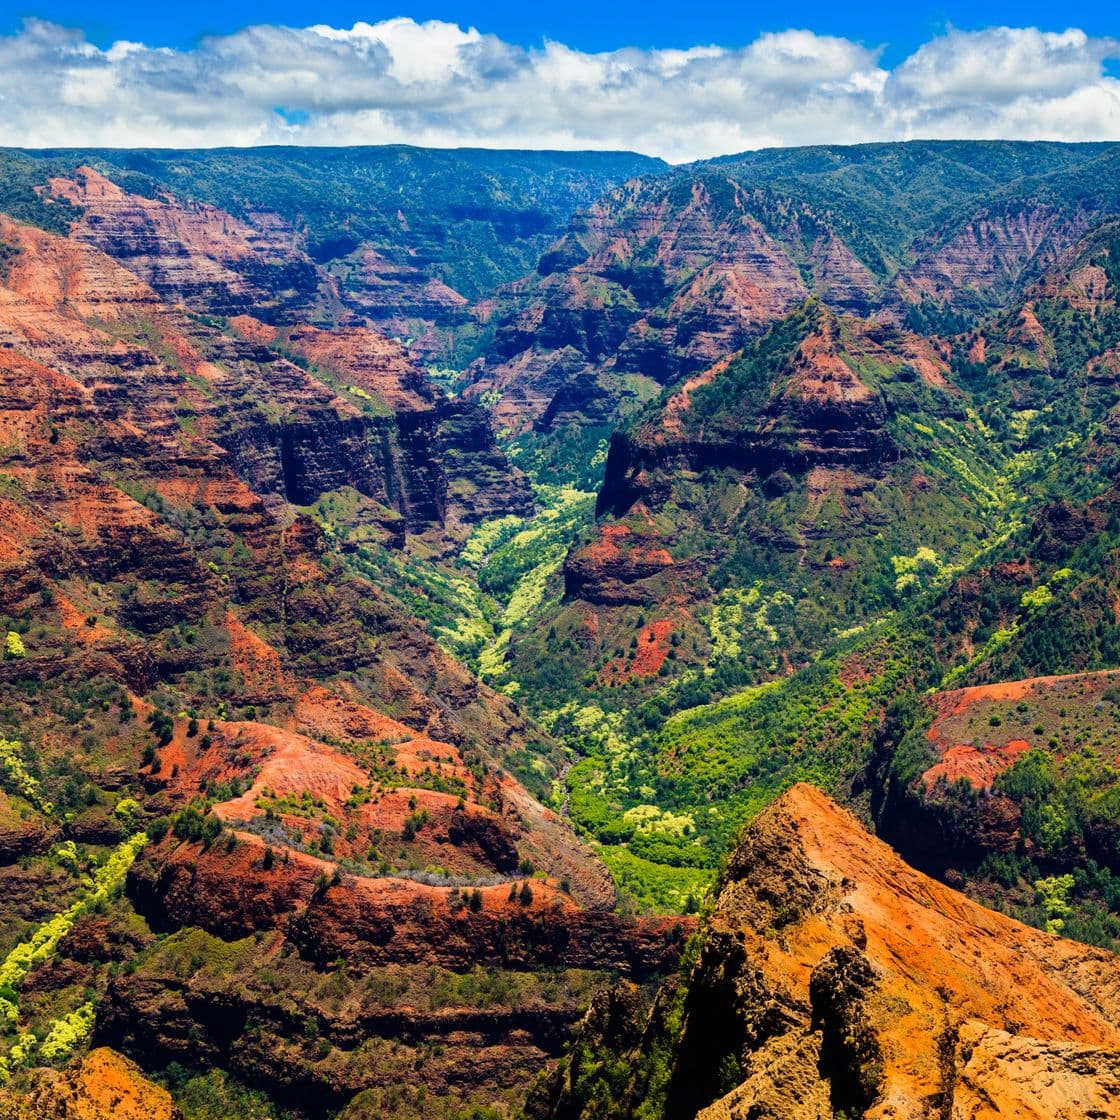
(819, 477)
(194, 253)
(652, 284)
(192, 672)
(665, 276)
(977, 265)
(833, 980)
(381, 428)
(401, 238)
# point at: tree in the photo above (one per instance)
(13, 645)
(526, 895)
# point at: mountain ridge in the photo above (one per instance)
(409, 598)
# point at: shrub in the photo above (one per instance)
(163, 726)
(67, 1033)
(126, 810)
(159, 828)
(195, 826)
(13, 645)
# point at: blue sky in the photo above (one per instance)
(694, 79)
(900, 27)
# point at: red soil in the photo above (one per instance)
(681, 401)
(254, 330)
(258, 662)
(979, 764)
(649, 655)
(365, 358)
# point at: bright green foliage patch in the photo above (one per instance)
(656, 888)
(66, 1033)
(16, 778)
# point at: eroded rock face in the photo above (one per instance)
(810, 422)
(426, 464)
(193, 253)
(397, 294)
(988, 255)
(1000, 1074)
(413, 926)
(658, 283)
(319, 1041)
(834, 980)
(814, 411)
(432, 460)
(350, 953)
(891, 982)
(141, 444)
(100, 1085)
(662, 280)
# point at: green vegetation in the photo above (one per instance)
(215, 1095)
(656, 888)
(20, 175)
(479, 217)
(16, 778)
(67, 1033)
(64, 1034)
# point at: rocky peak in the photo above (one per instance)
(866, 956)
(834, 980)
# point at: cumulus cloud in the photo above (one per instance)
(439, 84)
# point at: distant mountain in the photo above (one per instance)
(406, 237)
(666, 275)
(423, 575)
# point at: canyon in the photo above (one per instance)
(554, 635)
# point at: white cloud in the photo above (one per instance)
(439, 84)
(1003, 64)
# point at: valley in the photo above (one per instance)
(451, 599)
